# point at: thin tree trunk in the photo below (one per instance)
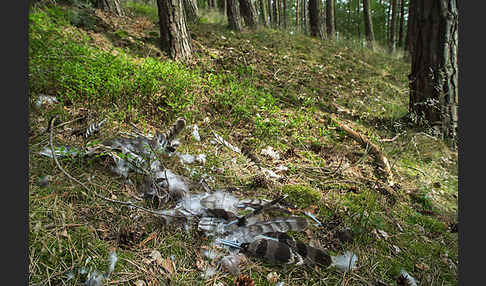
(402, 21)
(221, 6)
(275, 13)
(175, 39)
(393, 25)
(358, 17)
(249, 14)
(234, 19)
(370, 36)
(304, 14)
(270, 14)
(112, 6)
(334, 15)
(322, 7)
(284, 13)
(263, 13)
(297, 23)
(190, 8)
(330, 21)
(434, 76)
(314, 19)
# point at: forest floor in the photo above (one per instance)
(256, 89)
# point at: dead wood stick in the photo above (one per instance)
(374, 149)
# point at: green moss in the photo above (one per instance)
(302, 196)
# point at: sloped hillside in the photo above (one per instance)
(256, 89)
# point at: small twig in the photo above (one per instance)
(130, 204)
(374, 149)
(390, 140)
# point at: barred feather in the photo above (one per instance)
(93, 128)
(273, 251)
(280, 224)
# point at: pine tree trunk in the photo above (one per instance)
(411, 26)
(393, 25)
(270, 14)
(248, 13)
(190, 8)
(330, 21)
(402, 22)
(358, 19)
(112, 6)
(304, 16)
(174, 36)
(370, 36)
(285, 14)
(234, 19)
(297, 23)
(222, 6)
(323, 19)
(263, 13)
(275, 13)
(434, 76)
(314, 19)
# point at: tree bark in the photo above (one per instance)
(270, 14)
(284, 10)
(112, 6)
(275, 13)
(314, 19)
(190, 8)
(370, 36)
(393, 25)
(358, 19)
(175, 39)
(297, 23)
(402, 22)
(222, 6)
(249, 13)
(263, 13)
(411, 26)
(434, 75)
(234, 19)
(304, 17)
(330, 22)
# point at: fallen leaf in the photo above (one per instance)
(140, 283)
(149, 238)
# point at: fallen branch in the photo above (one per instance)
(374, 149)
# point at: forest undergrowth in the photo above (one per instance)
(256, 89)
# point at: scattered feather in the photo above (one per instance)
(93, 128)
(231, 263)
(62, 151)
(408, 279)
(209, 272)
(220, 140)
(269, 152)
(45, 100)
(345, 262)
(195, 133)
(112, 262)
